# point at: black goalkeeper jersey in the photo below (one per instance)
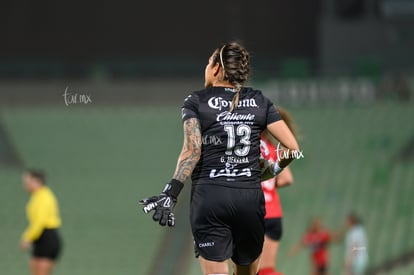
(231, 141)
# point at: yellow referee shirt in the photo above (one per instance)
(42, 212)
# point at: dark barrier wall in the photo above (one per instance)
(80, 32)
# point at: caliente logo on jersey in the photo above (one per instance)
(227, 116)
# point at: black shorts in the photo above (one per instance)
(273, 228)
(321, 269)
(49, 245)
(227, 223)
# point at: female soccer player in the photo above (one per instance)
(318, 239)
(44, 221)
(222, 128)
(273, 218)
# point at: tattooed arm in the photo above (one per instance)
(191, 152)
(164, 203)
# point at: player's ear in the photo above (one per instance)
(216, 69)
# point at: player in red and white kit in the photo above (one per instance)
(317, 238)
(274, 213)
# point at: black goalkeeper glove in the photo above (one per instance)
(164, 203)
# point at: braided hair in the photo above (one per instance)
(234, 61)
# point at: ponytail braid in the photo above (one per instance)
(236, 97)
(234, 60)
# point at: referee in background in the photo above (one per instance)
(43, 216)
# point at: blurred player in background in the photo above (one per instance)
(44, 220)
(273, 218)
(317, 239)
(222, 128)
(356, 242)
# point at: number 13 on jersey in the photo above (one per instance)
(243, 131)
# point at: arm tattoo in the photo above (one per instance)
(191, 152)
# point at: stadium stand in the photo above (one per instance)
(100, 163)
(101, 160)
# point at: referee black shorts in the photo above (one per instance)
(49, 245)
(273, 228)
(227, 223)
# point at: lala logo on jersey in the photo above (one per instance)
(230, 171)
(217, 103)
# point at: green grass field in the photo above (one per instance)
(101, 160)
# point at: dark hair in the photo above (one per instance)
(38, 174)
(354, 218)
(234, 60)
(288, 119)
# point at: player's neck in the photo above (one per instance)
(222, 83)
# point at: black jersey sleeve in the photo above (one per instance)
(272, 114)
(190, 107)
